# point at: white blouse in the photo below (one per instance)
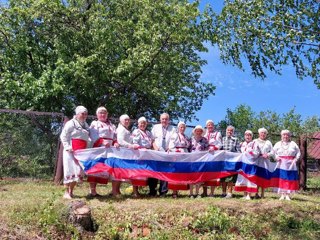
(74, 130)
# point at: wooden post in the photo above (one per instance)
(58, 171)
(303, 163)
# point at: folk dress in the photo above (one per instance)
(100, 132)
(144, 139)
(74, 136)
(179, 143)
(287, 154)
(243, 184)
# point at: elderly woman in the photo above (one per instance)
(179, 142)
(124, 139)
(266, 151)
(215, 142)
(230, 143)
(198, 143)
(102, 133)
(144, 139)
(251, 148)
(287, 153)
(74, 136)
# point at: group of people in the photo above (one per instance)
(77, 134)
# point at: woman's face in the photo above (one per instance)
(126, 122)
(182, 128)
(248, 137)
(82, 116)
(210, 127)
(285, 137)
(142, 125)
(198, 132)
(263, 135)
(102, 116)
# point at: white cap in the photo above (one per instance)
(123, 117)
(209, 121)
(262, 130)
(248, 131)
(142, 119)
(181, 123)
(286, 131)
(101, 109)
(198, 127)
(80, 109)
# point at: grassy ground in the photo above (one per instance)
(36, 210)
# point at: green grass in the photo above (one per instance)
(35, 209)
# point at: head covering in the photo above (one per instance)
(286, 131)
(123, 117)
(80, 109)
(181, 123)
(101, 109)
(249, 132)
(209, 121)
(262, 130)
(198, 127)
(142, 119)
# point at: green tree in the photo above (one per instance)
(292, 121)
(311, 125)
(241, 118)
(135, 57)
(268, 35)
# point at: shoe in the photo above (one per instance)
(198, 196)
(136, 196)
(175, 196)
(223, 195)
(288, 198)
(228, 196)
(152, 194)
(163, 195)
(248, 197)
(282, 197)
(211, 195)
(90, 195)
(191, 196)
(67, 196)
(257, 196)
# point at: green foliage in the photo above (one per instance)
(136, 57)
(269, 35)
(28, 145)
(243, 117)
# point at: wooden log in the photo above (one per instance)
(303, 163)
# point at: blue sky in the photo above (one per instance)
(234, 87)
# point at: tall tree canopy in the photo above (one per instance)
(142, 57)
(269, 35)
(136, 57)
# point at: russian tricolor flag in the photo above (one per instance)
(185, 168)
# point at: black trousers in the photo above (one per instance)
(153, 182)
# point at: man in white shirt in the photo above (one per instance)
(162, 133)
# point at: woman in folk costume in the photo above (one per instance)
(180, 143)
(198, 143)
(266, 150)
(251, 148)
(215, 142)
(287, 153)
(102, 133)
(74, 136)
(144, 139)
(124, 139)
